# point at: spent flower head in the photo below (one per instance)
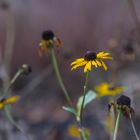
(123, 103)
(107, 89)
(48, 40)
(91, 59)
(7, 101)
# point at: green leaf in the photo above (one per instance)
(90, 95)
(69, 109)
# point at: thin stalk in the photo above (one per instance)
(13, 122)
(117, 125)
(56, 68)
(84, 95)
(80, 120)
(134, 15)
(133, 127)
(16, 76)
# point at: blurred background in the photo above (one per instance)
(81, 25)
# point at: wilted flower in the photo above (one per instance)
(123, 103)
(91, 59)
(48, 40)
(7, 101)
(106, 89)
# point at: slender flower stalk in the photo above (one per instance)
(133, 127)
(84, 95)
(134, 14)
(117, 125)
(80, 121)
(55, 64)
(13, 122)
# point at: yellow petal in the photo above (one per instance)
(94, 64)
(12, 99)
(1, 105)
(79, 65)
(73, 131)
(77, 61)
(104, 65)
(107, 57)
(103, 54)
(87, 67)
(98, 63)
(99, 54)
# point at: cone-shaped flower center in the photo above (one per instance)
(90, 56)
(47, 35)
(124, 100)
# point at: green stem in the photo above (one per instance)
(16, 76)
(12, 121)
(117, 125)
(133, 127)
(55, 64)
(80, 118)
(84, 95)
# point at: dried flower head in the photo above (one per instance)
(107, 89)
(91, 59)
(7, 101)
(48, 40)
(26, 69)
(124, 104)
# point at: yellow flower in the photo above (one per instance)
(48, 40)
(74, 132)
(7, 101)
(91, 59)
(106, 89)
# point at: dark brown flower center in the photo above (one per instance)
(90, 56)
(47, 35)
(124, 100)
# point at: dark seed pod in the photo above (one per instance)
(48, 35)
(26, 69)
(124, 100)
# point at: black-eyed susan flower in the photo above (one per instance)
(48, 40)
(73, 131)
(91, 59)
(106, 89)
(8, 101)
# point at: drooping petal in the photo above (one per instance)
(12, 99)
(94, 64)
(87, 67)
(1, 105)
(77, 61)
(104, 65)
(78, 65)
(98, 63)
